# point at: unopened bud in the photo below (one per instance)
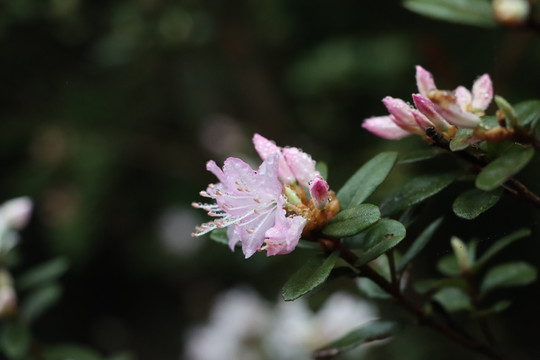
(8, 299)
(16, 212)
(460, 250)
(511, 12)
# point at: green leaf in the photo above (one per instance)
(370, 331)
(38, 301)
(220, 236)
(462, 139)
(507, 110)
(474, 202)
(313, 273)
(322, 168)
(417, 190)
(15, 339)
(448, 265)
(528, 112)
(429, 285)
(516, 273)
(420, 242)
(70, 351)
(453, 299)
(381, 238)
(43, 273)
(500, 245)
(371, 290)
(308, 245)
(366, 180)
(470, 12)
(496, 308)
(419, 155)
(502, 168)
(351, 221)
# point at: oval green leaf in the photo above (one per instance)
(352, 221)
(366, 180)
(462, 139)
(40, 300)
(528, 112)
(502, 168)
(453, 299)
(470, 12)
(516, 273)
(381, 238)
(448, 265)
(313, 273)
(43, 273)
(15, 339)
(417, 190)
(419, 155)
(372, 330)
(474, 202)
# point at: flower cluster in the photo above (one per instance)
(442, 110)
(268, 207)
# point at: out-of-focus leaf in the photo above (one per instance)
(69, 351)
(38, 301)
(15, 339)
(313, 273)
(528, 112)
(470, 12)
(308, 245)
(419, 155)
(420, 242)
(498, 307)
(429, 285)
(417, 190)
(517, 273)
(371, 290)
(43, 273)
(322, 168)
(381, 238)
(462, 139)
(366, 180)
(448, 265)
(474, 202)
(351, 221)
(499, 245)
(507, 110)
(502, 168)
(453, 299)
(370, 331)
(220, 236)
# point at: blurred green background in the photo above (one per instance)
(109, 111)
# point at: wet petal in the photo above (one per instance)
(385, 127)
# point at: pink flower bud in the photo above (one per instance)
(385, 127)
(426, 107)
(402, 114)
(318, 190)
(424, 81)
(16, 212)
(482, 93)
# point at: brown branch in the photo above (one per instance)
(422, 317)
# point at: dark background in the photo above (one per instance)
(109, 111)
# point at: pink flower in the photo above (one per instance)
(292, 161)
(385, 127)
(245, 198)
(283, 237)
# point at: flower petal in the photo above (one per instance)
(424, 81)
(426, 107)
(301, 164)
(265, 148)
(482, 93)
(385, 127)
(463, 98)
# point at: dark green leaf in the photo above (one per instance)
(497, 308)
(429, 285)
(502, 168)
(308, 245)
(470, 12)
(417, 190)
(474, 202)
(453, 299)
(43, 273)
(420, 242)
(528, 112)
(506, 275)
(370, 331)
(366, 180)
(419, 155)
(351, 221)
(448, 265)
(15, 339)
(38, 301)
(69, 351)
(381, 238)
(499, 245)
(371, 290)
(313, 273)
(462, 140)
